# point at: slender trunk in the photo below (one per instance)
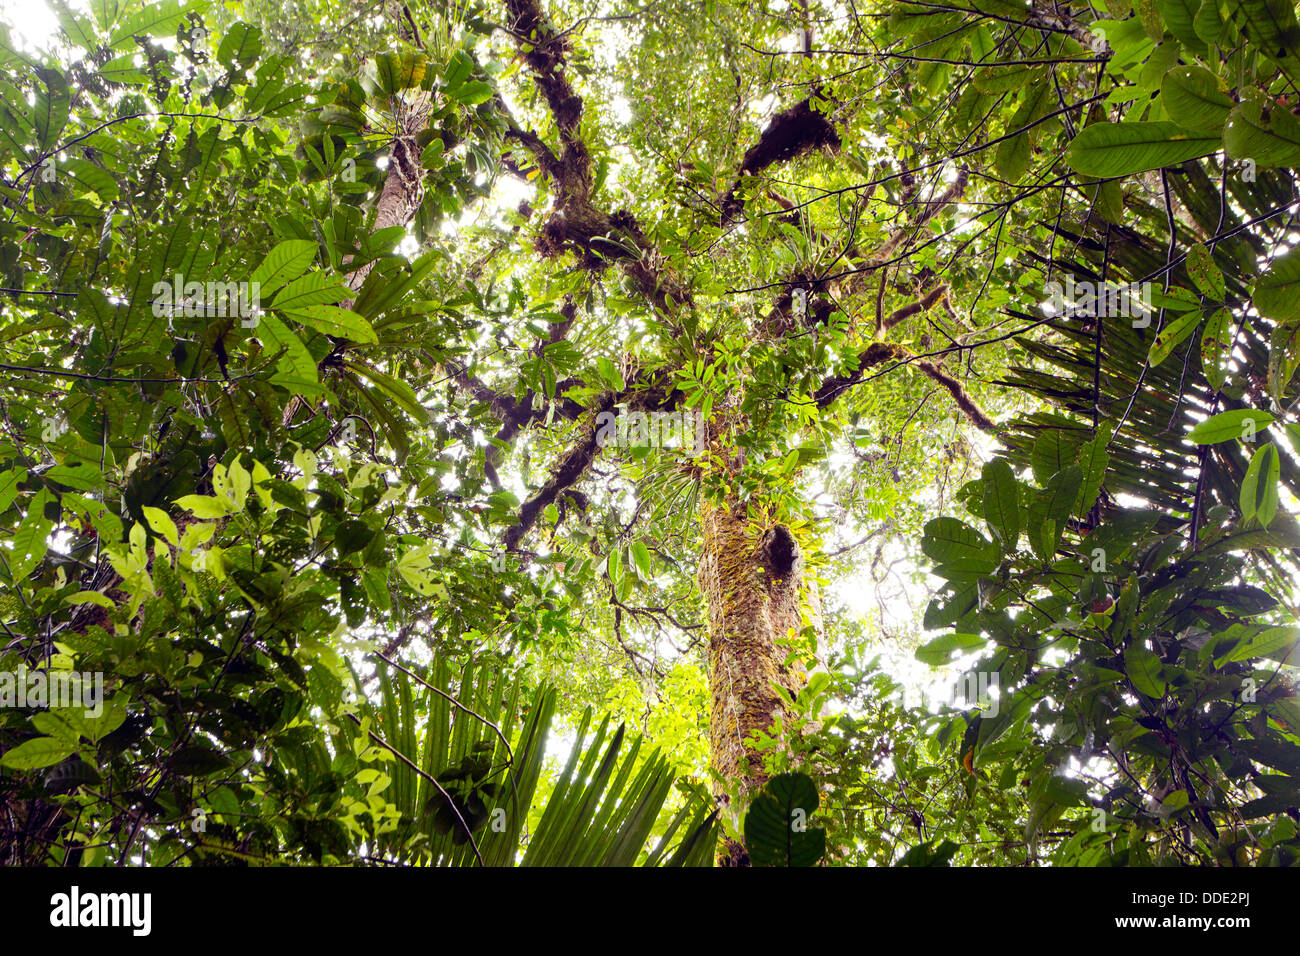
(399, 200)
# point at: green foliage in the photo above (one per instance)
(270, 509)
(175, 524)
(777, 827)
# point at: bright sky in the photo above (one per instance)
(31, 22)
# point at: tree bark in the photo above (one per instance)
(750, 576)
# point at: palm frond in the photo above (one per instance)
(474, 748)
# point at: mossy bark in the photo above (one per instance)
(750, 577)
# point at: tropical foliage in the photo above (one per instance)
(494, 433)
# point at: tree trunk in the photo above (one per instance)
(750, 577)
(398, 203)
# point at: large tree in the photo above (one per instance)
(390, 383)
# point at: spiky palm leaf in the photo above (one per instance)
(1090, 372)
(474, 752)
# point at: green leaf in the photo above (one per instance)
(431, 156)
(241, 46)
(1208, 23)
(353, 535)
(1171, 335)
(1283, 357)
(81, 32)
(1270, 26)
(396, 72)
(1051, 509)
(50, 109)
(30, 541)
(472, 93)
(312, 289)
(1268, 137)
(777, 830)
(1240, 423)
(86, 177)
(398, 390)
(97, 728)
(1001, 79)
(1144, 671)
(1120, 149)
(332, 320)
(1272, 805)
(1206, 275)
(1277, 754)
(9, 482)
(1277, 292)
(1216, 347)
(1194, 99)
(37, 753)
(1012, 156)
(941, 650)
(1109, 200)
(1259, 487)
(80, 476)
(204, 506)
(614, 568)
(296, 367)
(288, 260)
(1273, 642)
(1178, 16)
(1148, 12)
(54, 725)
(947, 539)
(609, 374)
(1002, 502)
(1050, 454)
(156, 19)
(162, 524)
(91, 597)
(641, 558)
(1093, 460)
(928, 854)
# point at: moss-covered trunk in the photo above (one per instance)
(750, 577)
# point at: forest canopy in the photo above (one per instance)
(649, 432)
